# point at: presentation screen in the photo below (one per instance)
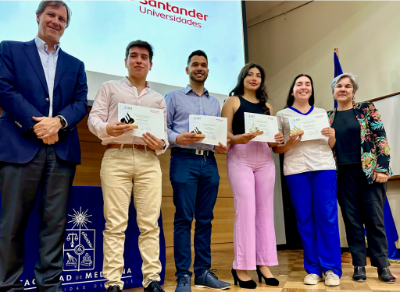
(99, 32)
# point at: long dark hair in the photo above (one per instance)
(290, 98)
(261, 93)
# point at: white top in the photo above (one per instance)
(307, 155)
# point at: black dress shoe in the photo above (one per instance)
(250, 284)
(113, 288)
(268, 281)
(153, 287)
(359, 274)
(386, 276)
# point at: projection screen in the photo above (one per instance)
(100, 30)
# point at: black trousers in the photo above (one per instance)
(362, 204)
(20, 184)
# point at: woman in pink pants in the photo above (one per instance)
(251, 174)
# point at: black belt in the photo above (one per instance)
(192, 151)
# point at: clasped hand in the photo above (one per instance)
(47, 129)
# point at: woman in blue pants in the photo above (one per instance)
(310, 173)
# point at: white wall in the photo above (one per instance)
(389, 110)
(302, 41)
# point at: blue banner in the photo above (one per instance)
(391, 233)
(337, 71)
(83, 245)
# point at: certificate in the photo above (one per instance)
(312, 126)
(214, 128)
(265, 123)
(146, 118)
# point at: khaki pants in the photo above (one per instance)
(123, 172)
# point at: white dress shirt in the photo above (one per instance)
(49, 63)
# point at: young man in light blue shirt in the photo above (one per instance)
(194, 176)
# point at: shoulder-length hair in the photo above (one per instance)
(290, 98)
(261, 93)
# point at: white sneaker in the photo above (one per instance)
(312, 279)
(331, 279)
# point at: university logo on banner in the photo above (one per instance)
(83, 245)
(80, 243)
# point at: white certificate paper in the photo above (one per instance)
(257, 122)
(148, 119)
(312, 126)
(215, 128)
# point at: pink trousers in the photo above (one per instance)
(251, 174)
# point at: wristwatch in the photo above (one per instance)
(63, 122)
(165, 145)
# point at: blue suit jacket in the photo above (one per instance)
(23, 94)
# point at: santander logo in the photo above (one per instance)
(175, 9)
(172, 13)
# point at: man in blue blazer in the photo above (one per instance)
(43, 94)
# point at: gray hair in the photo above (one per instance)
(352, 78)
(55, 4)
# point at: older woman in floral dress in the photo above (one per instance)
(362, 157)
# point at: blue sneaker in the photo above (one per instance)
(209, 280)
(183, 284)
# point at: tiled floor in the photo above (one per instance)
(290, 273)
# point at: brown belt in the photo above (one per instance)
(136, 146)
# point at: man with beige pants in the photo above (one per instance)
(130, 165)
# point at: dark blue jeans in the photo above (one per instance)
(195, 184)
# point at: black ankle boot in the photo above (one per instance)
(359, 274)
(386, 276)
(268, 281)
(243, 284)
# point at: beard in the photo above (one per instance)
(194, 78)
